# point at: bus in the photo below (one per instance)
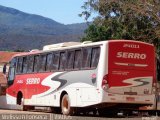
(71, 76)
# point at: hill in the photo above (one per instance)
(19, 30)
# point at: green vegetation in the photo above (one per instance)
(123, 19)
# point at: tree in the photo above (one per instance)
(123, 19)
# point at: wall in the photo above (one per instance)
(1, 67)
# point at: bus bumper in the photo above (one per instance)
(149, 101)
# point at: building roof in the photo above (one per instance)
(5, 57)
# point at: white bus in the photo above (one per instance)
(99, 76)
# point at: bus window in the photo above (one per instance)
(19, 65)
(36, 63)
(62, 61)
(70, 59)
(24, 65)
(95, 57)
(77, 59)
(42, 63)
(86, 58)
(55, 61)
(49, 62)
(30, 64)
(11, 74)
(13, 62)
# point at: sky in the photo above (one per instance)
(62, 11)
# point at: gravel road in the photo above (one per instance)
(39, 115)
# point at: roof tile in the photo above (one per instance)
(6, 56)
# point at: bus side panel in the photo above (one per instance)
(28, 85)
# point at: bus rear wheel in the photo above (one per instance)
(65, 106)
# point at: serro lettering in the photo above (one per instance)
(33, 81)
(131, 55)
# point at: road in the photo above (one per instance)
(46, 115)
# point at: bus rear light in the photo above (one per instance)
(154, 88)
(105, 82)
(130, 98)
(154, 84)
(110, 94)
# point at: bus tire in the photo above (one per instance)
(20, 101)
(65, 106)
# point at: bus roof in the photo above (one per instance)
(134, 41)
(72, 45)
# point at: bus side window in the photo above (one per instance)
(13, 62)
(62, 62)
(49, 62)
(55, 61)
(86, 58)
(95, 57)
(19, 65)
(24, 65)
(12, 68)
(36, 63)
(77, 59)
(42, 63)
(70, 59)
(30, 64)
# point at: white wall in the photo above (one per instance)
(1, 67)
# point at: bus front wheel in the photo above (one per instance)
(20, 101)
(65, 106)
